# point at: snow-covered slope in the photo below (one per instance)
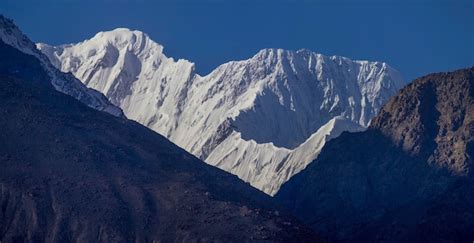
(63, 82)
(263, 119)
(266, 166)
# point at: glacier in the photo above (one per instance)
(263, 119)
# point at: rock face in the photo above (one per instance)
(433, 119)
(72, 174)
(63, 82)
(254, 118)
(409, 177)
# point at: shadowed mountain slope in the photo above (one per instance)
(71, 173)
(65, 83)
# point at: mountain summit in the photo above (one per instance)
(255, 118)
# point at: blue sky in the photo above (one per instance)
(416, 37)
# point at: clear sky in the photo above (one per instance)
(416, 37)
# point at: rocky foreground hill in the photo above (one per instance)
(409, 177)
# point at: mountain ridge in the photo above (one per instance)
(276, 97)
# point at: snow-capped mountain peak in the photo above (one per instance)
(123, 38)
(119, 60)
(259, 118)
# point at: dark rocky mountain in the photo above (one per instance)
(72, 173)
(408, 178)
